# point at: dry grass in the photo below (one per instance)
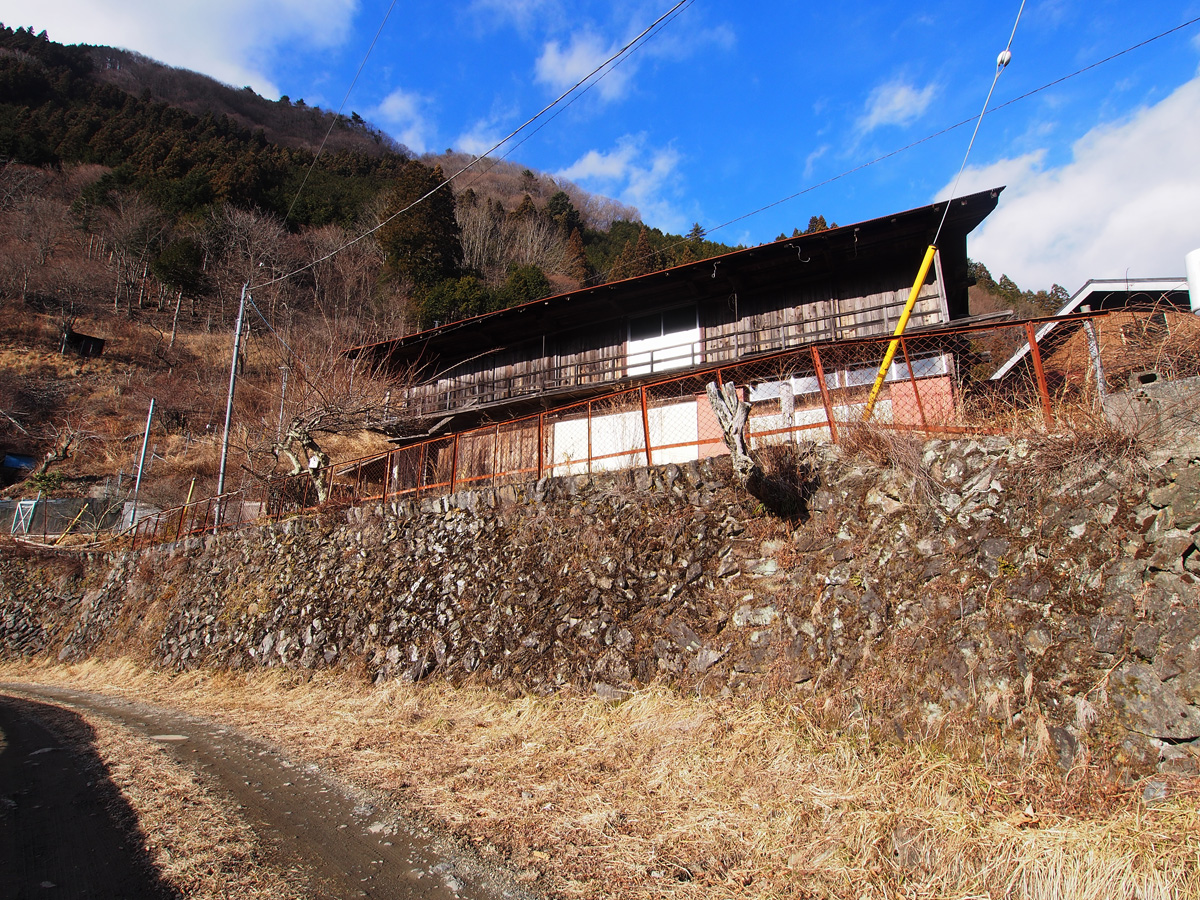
(201, 848)
(889, 449)
(669, 796)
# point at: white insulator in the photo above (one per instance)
(1003, 59)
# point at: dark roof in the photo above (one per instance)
(888, 238)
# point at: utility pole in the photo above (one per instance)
(137, 485)
(283, 371)
(237, 343)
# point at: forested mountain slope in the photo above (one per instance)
(135, 202)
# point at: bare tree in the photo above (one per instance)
(786, 488)
(344, 281)
(732, 413)
(536, 240)
(43, 222)
(18, 183)
(328, 394)
(132, 228)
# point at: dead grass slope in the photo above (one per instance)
(672, 795)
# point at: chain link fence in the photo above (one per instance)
(1056, 374)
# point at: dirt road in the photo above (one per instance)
(57, 827)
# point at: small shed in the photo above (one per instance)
(85, 346)
(1143, 314)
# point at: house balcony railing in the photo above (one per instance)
(561, 374)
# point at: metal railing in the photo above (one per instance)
(553, 373)
(937, 386)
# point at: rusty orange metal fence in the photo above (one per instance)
(937, 385)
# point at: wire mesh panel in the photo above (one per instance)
(516, 451)
(476, 458)
(569, 437)
(438, 468)
(601, 436)
(404, 471)
(680, 422)
(1010, 377)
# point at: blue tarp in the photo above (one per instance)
(13, 461)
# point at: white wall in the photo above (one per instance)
(616, 432)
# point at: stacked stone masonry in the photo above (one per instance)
(1046, 589)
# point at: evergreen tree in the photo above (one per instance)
(577, 261)
(421, 244)
(451, 300)
(816, 224)
(525, 209)
(524, 285)
(563, 212)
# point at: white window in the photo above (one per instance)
(662, 341)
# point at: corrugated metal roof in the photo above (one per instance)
(863, 243)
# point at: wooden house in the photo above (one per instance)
(843, 283)
(613, 376)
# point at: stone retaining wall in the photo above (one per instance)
(1047, 591)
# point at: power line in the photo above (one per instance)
(949, 128)
(665, 20)
(1002, 62)
(337, 116)
(936, 134)
(620, 53)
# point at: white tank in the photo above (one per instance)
(1192, 264)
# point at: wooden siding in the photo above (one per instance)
(733, 327)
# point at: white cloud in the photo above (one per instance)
(637, 175)
(521, 13)
(479, 140)
(1128, 201)
(231, 40)
(810, 161)
(895, 103)
(562, 67)
(606, 167)
(402, 113)
(677, 44)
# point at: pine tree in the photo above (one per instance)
(563, 212)
(422, 244)
(577, 262)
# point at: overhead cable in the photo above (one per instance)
(661, 24)
(949, 128)
(627, 48)
(337, 116)
(1002, 62)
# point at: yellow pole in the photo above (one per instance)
(78, 515)
(900, 326)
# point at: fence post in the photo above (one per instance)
(1036, 354)
(1097, 364)
(541, 439)
(589, 409)
(495, 455)
(820, 370)
(454, 465)
(916, 391)
(646, 427)
(421, 467)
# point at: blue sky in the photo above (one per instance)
(734, 106)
